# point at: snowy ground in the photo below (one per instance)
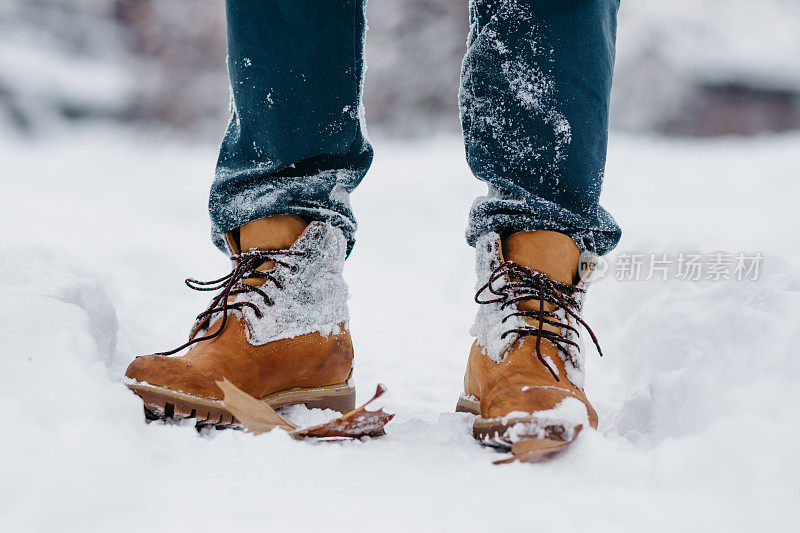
(697, 393)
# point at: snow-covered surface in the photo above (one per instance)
(697, 393)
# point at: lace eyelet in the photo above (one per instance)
(294, 269)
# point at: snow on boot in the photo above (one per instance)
(524, 377)
(277, 328)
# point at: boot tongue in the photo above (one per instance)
(277, 232)
(553, 254)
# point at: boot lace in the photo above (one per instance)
(527, 284)
(245, 265)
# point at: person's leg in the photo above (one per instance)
(534, 102)
(294, 150)
(534, 106)
(295, 143)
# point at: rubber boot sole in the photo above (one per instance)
(164, 403)
(494, 431)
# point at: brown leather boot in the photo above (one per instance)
(524, 376)
(277, 328)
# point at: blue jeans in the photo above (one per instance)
(534, 100)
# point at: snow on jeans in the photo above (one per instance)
(534, 98)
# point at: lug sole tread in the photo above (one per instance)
(161, 403)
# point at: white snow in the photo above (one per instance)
(697, 393)
(312, 295)
(551, 365)
(569, 413)
(488, 326)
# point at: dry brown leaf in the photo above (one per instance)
(257, 417)
(531, 450)
(354, 424)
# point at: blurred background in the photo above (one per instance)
(111, 112)
(684, 67)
